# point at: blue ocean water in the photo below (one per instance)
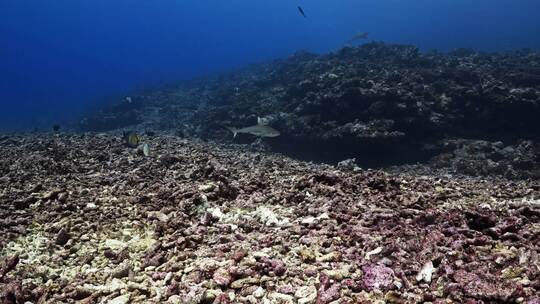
(59, 58)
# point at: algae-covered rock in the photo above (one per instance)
(306, 294)
(377, 277)
(123, 299)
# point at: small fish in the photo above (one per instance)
(146, 150)
(259, 130)
(301, 10)
(131, 139)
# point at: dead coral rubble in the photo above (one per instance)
(206, 223)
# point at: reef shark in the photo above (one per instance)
(359, 36)
(259, 130)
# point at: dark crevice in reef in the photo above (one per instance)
(381, 104)
(369, 153)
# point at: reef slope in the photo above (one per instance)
(382, 104)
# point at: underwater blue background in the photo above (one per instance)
(59, 58)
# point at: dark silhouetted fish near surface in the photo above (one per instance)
(259, 130)
(301, 10)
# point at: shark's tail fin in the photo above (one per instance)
(233, 130)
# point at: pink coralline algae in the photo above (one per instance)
(273, 266)
(377, 277)
(327, 291)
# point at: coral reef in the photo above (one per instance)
(84, 219)
(379, 103)
(478, 157)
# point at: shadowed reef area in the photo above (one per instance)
(381, 104)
